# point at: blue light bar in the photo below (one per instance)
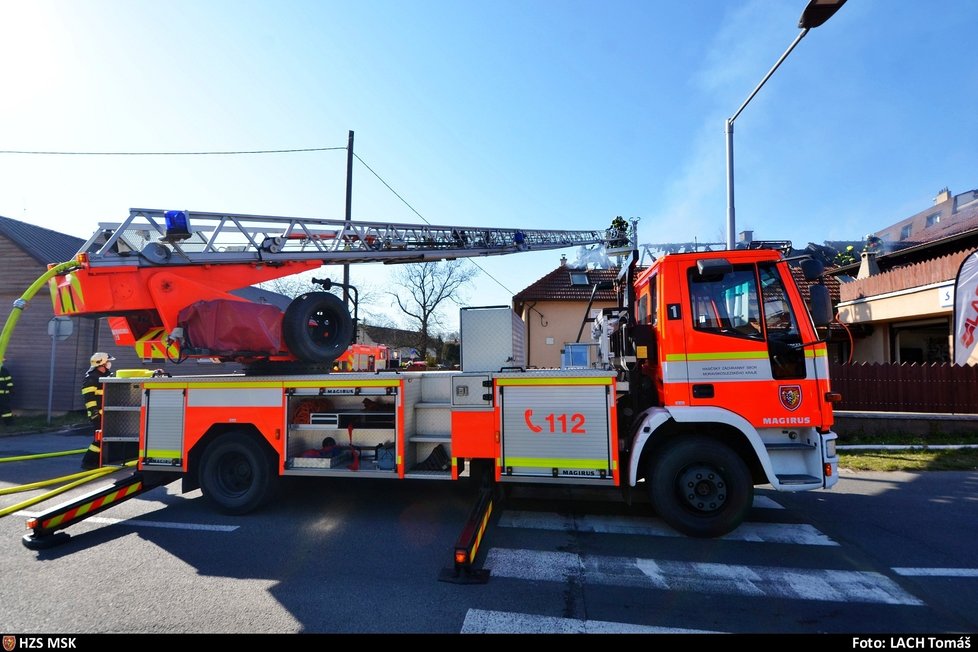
(177, 224)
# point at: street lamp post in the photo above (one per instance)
(816, 13)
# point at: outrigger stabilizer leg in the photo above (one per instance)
(45, 527)
(467, 546)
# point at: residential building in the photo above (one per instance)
(899, 305)
(556, 309)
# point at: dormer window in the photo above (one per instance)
(933, 219)
(905, 232)
(579, 278)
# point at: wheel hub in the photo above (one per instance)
(703, 488)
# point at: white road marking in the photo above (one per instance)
(479, 621)
(795, 533)
(135, 522)
(937, 572)
(765, 502)
(731, 579)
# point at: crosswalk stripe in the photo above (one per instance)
(795, 533)
(937, 572)
(765, 502)
(479, 621)
(759, 581)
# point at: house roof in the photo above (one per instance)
(941, 238)
(43, 245)
(559, 285)
(393, 337)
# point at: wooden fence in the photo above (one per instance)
(886, 387)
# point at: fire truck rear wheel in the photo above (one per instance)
(317, 327)
(236, 474)
(700, 487)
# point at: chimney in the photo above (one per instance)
(747, 237)
(942, 196)
(867, 265)
(563, 260)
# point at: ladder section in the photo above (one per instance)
(150, 237)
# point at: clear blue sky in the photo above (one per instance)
(532, 114)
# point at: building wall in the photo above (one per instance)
(551, 324)
(894, 310)
(38, 364)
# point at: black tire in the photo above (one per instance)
(700, 487)
(237, 475)
(317, 327)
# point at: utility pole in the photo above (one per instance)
(349, 211)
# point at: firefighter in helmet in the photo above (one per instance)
(92, 397)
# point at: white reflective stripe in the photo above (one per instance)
(719, 371)
(674, 372)
(740, 370)
(235, 397)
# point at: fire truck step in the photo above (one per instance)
(799, 479)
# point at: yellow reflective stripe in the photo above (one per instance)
(717, 355)
(76, 287)
(159, 452)
(88, 390)
(816, 353)
(553, 381)
(91, 404)
(193, 385)
(71, 514)
(94, 448)
(548, 462)
(343, 383)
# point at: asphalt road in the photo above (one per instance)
(882, 553)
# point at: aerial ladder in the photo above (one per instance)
(171, 282)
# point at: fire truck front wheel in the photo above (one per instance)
(317, 327)
(236, 474)
(700, 487)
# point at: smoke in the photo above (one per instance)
(594, 258)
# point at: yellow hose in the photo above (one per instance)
(44, 483)
(91, 475)
(21, 303)
(37, 456)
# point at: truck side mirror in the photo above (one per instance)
(821, 305)
(811, 268)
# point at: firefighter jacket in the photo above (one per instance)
(92, 392)
(6, 392)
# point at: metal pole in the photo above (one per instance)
(54, 344)
(731, 228)
(728, 129)
(349, 211)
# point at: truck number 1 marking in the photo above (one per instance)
(555, 421)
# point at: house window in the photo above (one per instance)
(576, 355)
(579, 278)
(905, 232)
(933, 219)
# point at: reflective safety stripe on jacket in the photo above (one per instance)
(92, 393)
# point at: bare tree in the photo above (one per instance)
(426, 287)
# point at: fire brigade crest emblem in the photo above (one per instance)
(9, 643)
(790, 396)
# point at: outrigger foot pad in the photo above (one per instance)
(32, 542)
(464, 576)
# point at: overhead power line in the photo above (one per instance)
(245, 152)
(213, 153)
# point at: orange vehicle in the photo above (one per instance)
(711, 379)
(363, 357)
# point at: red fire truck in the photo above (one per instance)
(711, 380)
